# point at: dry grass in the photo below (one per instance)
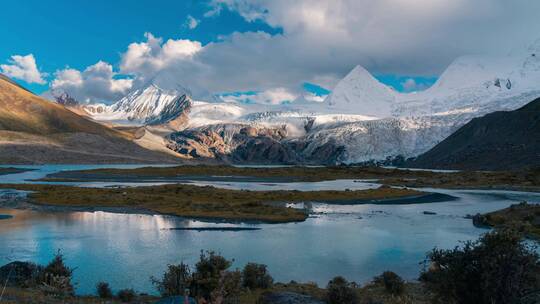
(22, 111)
(4, 171)
(524, 180)
(203, 202)
(523, 217)
(415, 293)
(19, 295)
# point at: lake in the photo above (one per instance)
(355, 241)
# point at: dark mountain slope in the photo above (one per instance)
(497, 141)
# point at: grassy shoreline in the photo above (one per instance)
(514, 180)
(11, 170)
(200, 202)
(523, 217)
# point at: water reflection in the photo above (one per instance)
(355, 241)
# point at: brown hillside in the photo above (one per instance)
(34, 130)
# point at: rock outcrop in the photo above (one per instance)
(243, 143)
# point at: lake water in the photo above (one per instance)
(355, 241)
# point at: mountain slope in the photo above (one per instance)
(362, 118)
(146, 105)
(34, 130)
(22, 111)
(496, 141)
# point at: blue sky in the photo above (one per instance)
(278, 48)
(79, 33)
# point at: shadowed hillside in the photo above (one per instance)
(496, 141)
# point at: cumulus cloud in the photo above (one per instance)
(191, 22)
(319, 41)
(24, 68)
(271, 97)
(411, 85)
(390, 36)
(313, 97)
(250, 10)
(96, 83)
(145, 59)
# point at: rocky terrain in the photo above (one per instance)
(241, 143)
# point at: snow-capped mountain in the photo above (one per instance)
(470, 87)
(361, 120)
(359, 92)
(148, 105)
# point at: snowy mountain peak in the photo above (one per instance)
(360, 93)
(473, 71)
(146, 105)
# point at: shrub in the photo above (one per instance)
(21, 274)
(57, 267)
(126, 295)
(103, 290)
(175, 280)
(256, 276)
(392, 282)
(56, 276)
(230, 286)
(498, 268)
(208, 273)
(340, 291)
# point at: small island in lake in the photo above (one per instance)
(202, 202)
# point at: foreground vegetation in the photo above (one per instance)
(499, 268)
(201, 202)
(523, 217)
(522, 180)
(10, 170)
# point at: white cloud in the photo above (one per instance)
(144, 59)
(272, 96)
(24, 68)
(313, 97)
(95, 84)
(410, 85)
(250, 10)
(191, 22)
(390, 36)
(322, 40)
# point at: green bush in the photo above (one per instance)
(256, 276)
(57, 276)
(175, 280)
(103, 290)
(340, 291)
(499, 268)
(208, 272)
(126, 295)
(57, 267)
(393, 283)
(230, 286)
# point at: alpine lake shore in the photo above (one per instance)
(217, 204)
(211, 203)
